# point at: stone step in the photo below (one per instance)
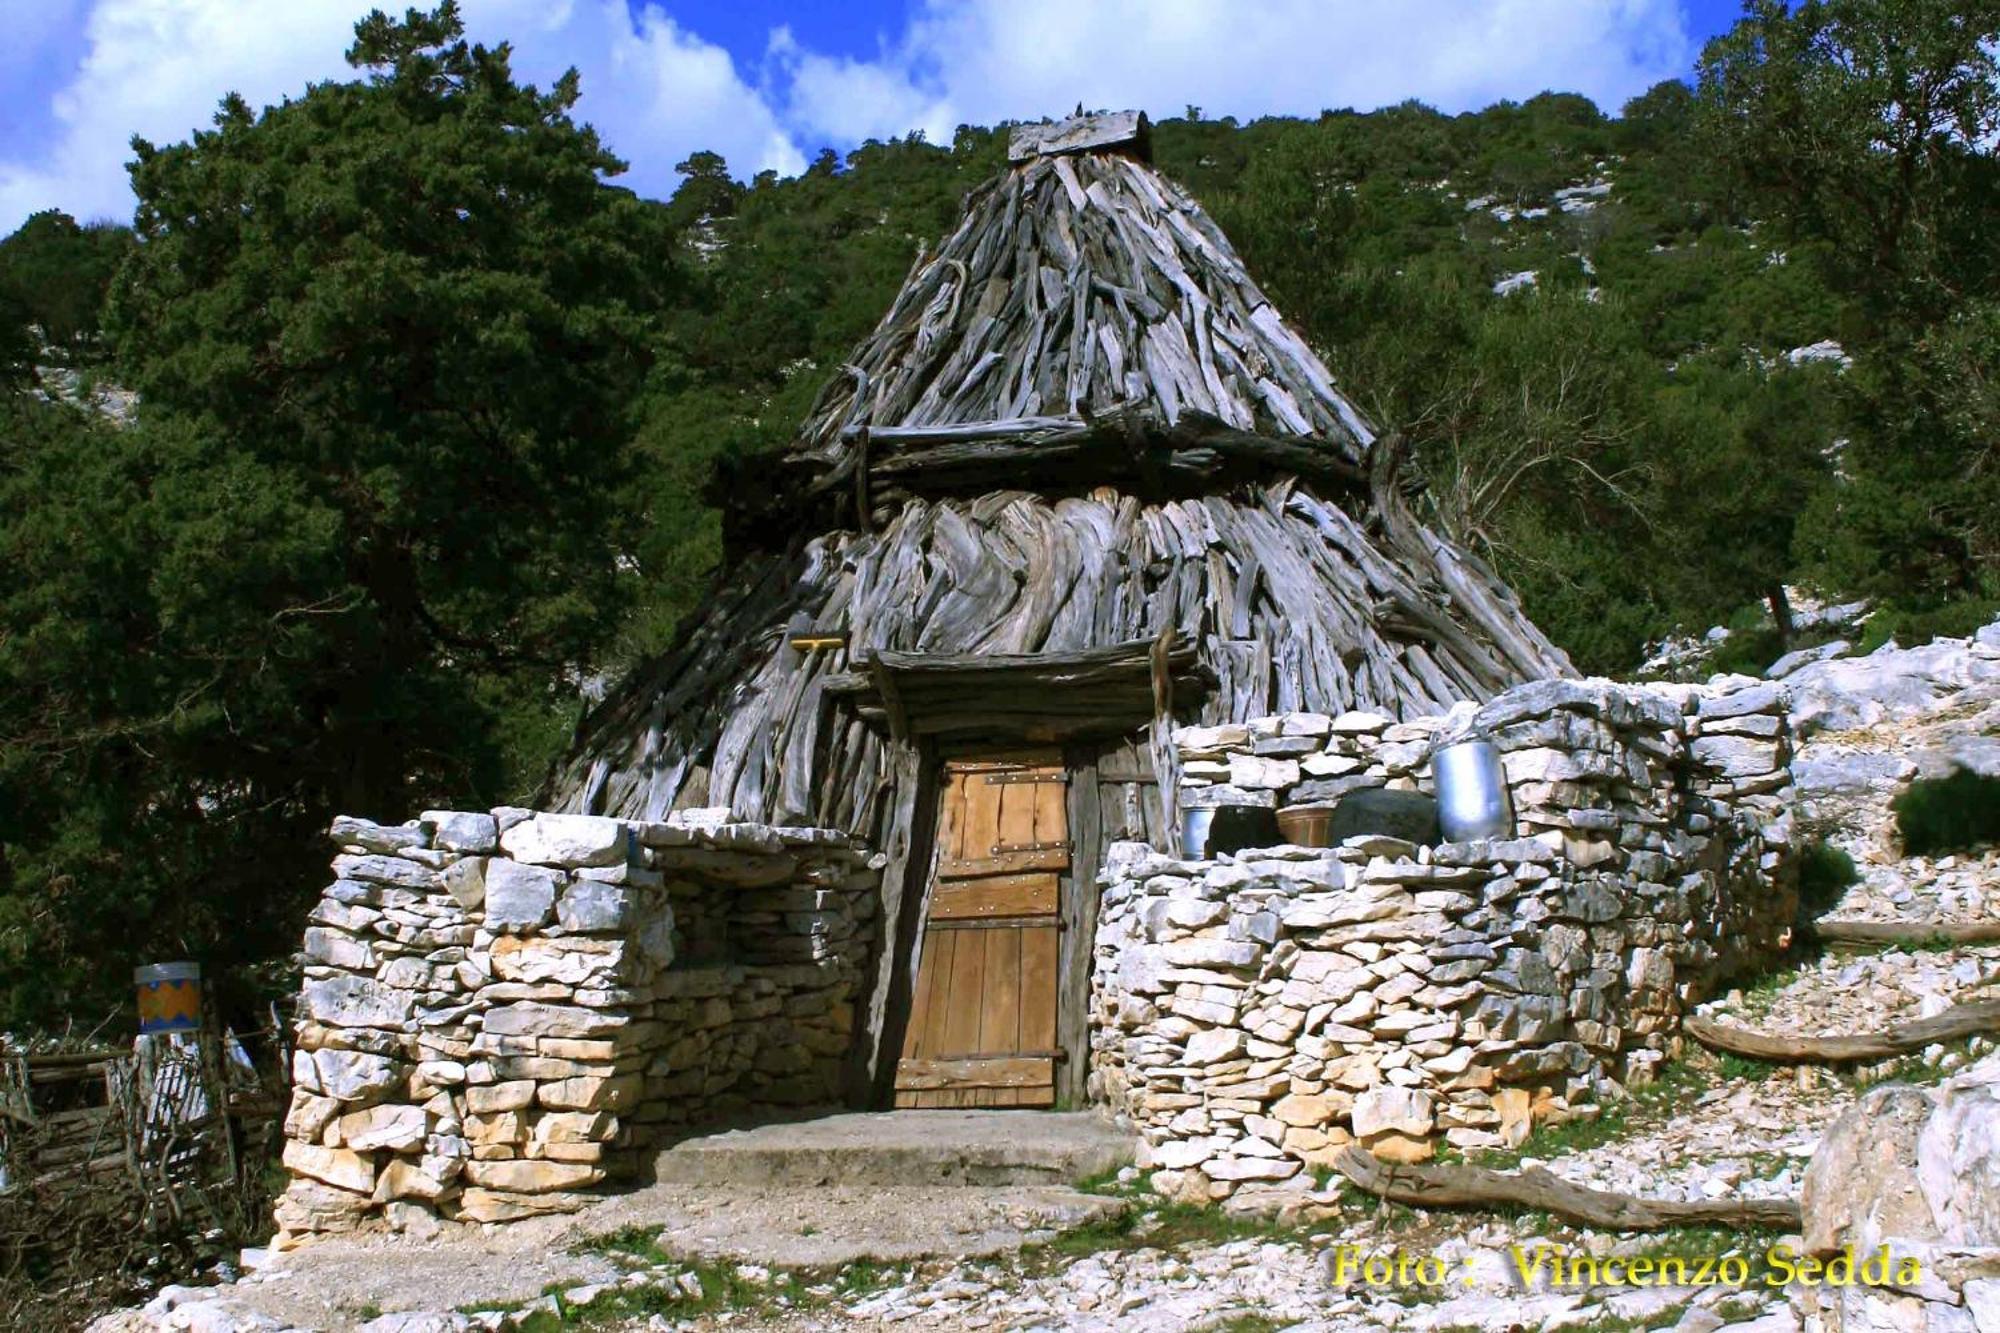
(930, 1147)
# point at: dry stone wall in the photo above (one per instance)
(503, 1009)
(1255, 1013)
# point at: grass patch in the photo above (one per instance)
(1164, 1226)
(1107, 1182)
(1954, 813)
(1645, 1104)
(1248, 1323)
(1733, 1066)
(722, 1288)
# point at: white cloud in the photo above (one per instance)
(979, 61)
(657, 90)
(157, 68)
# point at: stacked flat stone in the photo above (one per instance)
(1256, 1013)
(502, 1008)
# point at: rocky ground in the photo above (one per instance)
(1114, 1257)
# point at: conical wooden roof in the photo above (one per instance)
(1081, 283)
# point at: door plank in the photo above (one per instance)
(1007, 863)
(941, 949)
(1000, 1009)
(982, 824)
(1017, 817)
(968, 983)
(941, 1075)
(1051, 818)
(995, 896)
(1038, 987)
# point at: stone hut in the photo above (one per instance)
(1082, 484)
(1082, 534)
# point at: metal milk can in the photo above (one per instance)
(1472, 791)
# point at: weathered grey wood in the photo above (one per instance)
(1104, 129)
(1968, 1019)
(909, 848)
(1076, 944)
(1534, 1187)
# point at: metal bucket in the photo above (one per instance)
(1473, 801)
(1208, 831)
(169, 997)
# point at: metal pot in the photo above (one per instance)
(1473, 801)
(1208, 831)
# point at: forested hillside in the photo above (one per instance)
(431, 412)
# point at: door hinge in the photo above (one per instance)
(1003, 848)
(1016, 779)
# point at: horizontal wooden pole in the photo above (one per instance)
(1455, 1186)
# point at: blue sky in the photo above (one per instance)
(768, 82)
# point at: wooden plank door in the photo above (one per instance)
(982, 1026)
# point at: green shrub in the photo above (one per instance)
(1949, 814)
(1912, 627)
(1825, 872)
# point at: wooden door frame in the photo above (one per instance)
(915, 876)
(934, 705)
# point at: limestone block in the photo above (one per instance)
(1256, 773)
(1207, 740)
(1401, 1148)
(575, 1127)
(532, 1177)
(1330, 765)
(356, 1002)
(573, 962)
(339, 1167)
(533, 1019)
(501, 1129)
(388, 1126)
(468, 831)
(1212, 953)
(591, 1093)
(1357, 723)
(1958, 1157)
(568, 840)
(355, 1076)
(518, 897)
(1214, 1046)
(390, 870)
(1251, 1168)
(588, 905)
(388, 839)
(405, 974)
(1736, 756)
(496, 1097)
(309, 1114)
(442, 1073)
(1388, 1109)
(485, 1205)
(336, 948)
(309, 1205)
(1309, 1110)
(466, 882)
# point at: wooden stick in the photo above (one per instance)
(1961, 1020)
(1534, 1187)
(1900, 932)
